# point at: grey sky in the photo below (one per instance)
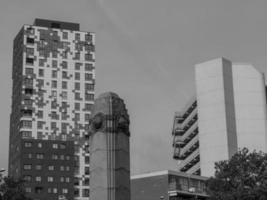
(145, 51)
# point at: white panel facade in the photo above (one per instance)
(213, 112)
(250, 107)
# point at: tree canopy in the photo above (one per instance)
(243, 177)
(12, 189)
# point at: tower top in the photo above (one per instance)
(56, 24)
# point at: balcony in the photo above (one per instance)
(192, 156)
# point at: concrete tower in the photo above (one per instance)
(109, 149)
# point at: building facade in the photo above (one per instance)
(53, 93)
(231, 114)
(168, 185)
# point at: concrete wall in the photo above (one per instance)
(217, 130)
(250, 107)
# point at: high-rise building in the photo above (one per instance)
(228, 113)
(53, 92)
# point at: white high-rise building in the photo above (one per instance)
(231, 114)
(53, 92)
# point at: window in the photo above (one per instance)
(88, 106)
(64, 74)
(77, 76)
(62, 179)
(77, 106)
(88, 77)
(28, 190)
(89, 97)
(39, 145)
(30, 40)
(54, 157)
(89, 86)
(62, 146)
(51, 167)
(54, 63)
(67, 179)
(77, 96)
(86, 171)
(64, 116)
(28, 71)
(64, 95)
(88, 57)
(77, 36)
(54, 74)
(65, 35)
(40, 82)
(87, 117)
(54, 190)
(54, 115)
(27, 167)
(27, 178)
(29, 61)
(86, 181)
(64, 191)
(53, 104)
(26, 124)
(28, 91)
(54, 84)
(64, 127)
(49, 190)
(77, 116)
(88, 67)
(55, 146)
(50, 179)
(38, 178)
(64, 65)
(77, 86)
(85, 192)
(38, 190)
(54, 54)
(53, 125)
(54, 93)
(27, 102)
(26, 134)
(87, 159)
(65, 54)
(40, 114)
(77, 56)
(39, 125)
(39, 135)
(41, 72)
(29, 51)
(41, 62)
(77, 66)
(88, 37)
(64, 85)
(40, 156)
(62, 168)
(29, 155)
(38, 167)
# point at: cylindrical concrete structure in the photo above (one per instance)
(109, 149)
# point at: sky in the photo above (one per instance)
(145, 52)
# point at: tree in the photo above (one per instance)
(243, 177)
(12, 189)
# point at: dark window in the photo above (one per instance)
(88, 77)
(89, 97)
(30, 40)
(41, 72)
(55, 25)
(28, 91)
(89, 86)
(88, 67)
(29, 61)
(64, 85)
(65, 35)
(77, 76)
(77, 86)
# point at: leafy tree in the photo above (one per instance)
(243, 177)
(12, 189)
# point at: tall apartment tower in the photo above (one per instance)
(231, 114)
(53, 93)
